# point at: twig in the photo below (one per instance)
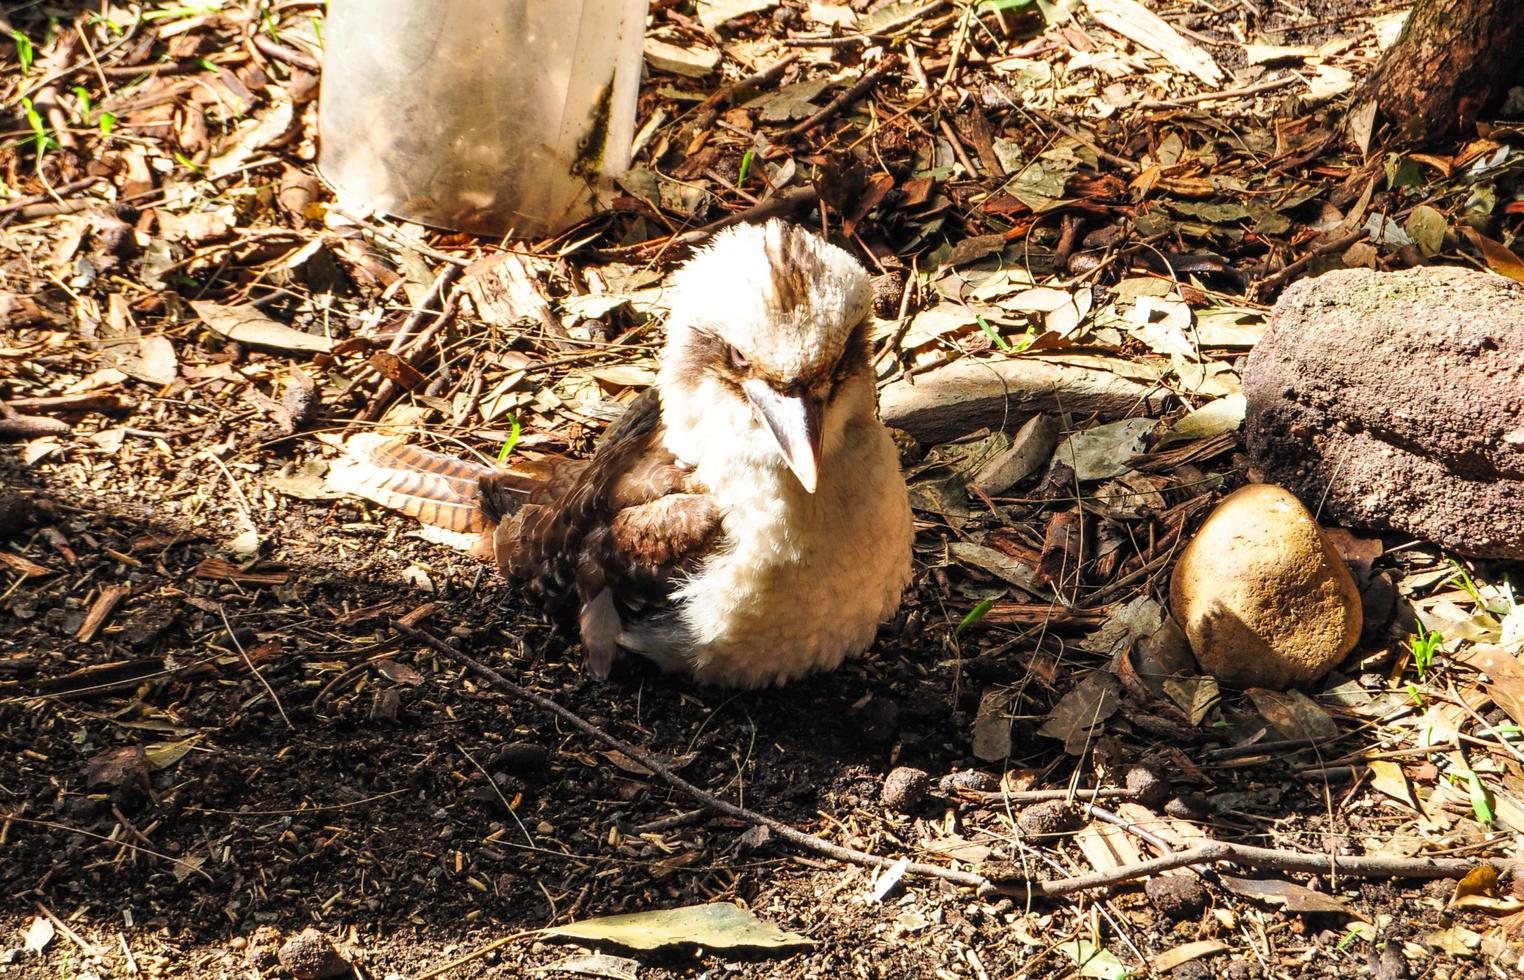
(425, 307)
(1047, 795)
(1278, 279)
(9, 818)
(14, 425)
(1232, 93)
(1209, 852)
(60, 190)
(90, 948)
(280, 52)
(88, 401)
(884, 31)
(1083, 140)
(957, 145)
(233, 635)
(859, 89)
(706, 110)
(798, 838)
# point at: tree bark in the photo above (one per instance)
(1453, 61)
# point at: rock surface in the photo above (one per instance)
(1262, 595)
(1401, 397)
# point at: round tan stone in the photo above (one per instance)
(1262, 595)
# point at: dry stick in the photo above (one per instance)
(1210, 852)
(1332, 245)
(851, 95)
(798, 838)
(1083, 140)
(705, 112)
(281, 52)
(957, 145)
(90, 948)
(1047, 795)
(88, 401)
(424, 310)
(1232, 93)
(887, 29)
(60, 190)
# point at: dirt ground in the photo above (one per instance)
(211, 738)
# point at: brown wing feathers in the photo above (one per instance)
(597, 540)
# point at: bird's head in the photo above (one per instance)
(767, 345)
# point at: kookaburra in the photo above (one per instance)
(745, 522)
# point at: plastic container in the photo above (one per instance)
(497, 117)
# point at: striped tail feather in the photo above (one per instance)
(438, 490)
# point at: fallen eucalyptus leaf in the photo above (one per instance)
(717, 926)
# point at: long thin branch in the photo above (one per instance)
(1207, 853)
(798, 838)
(859, 89)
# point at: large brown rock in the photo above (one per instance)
(1396, 401)
(1262, 595)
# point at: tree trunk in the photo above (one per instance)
(1455, 58)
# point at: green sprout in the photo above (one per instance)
(745, 167)
(990, 332)
(513, 440)
(1481, 799)
(974, 615)
(25, 51)
(107, 122)
(41, 140)
(1424, 645)
(83, 95)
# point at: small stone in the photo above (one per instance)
(10, 957)
(1388, 963)
(971, 780)
(522, 758)
(1262, 595)
(309, 955)
(1048, 819)
(1191, 970)
(1176, 897)
(1188, 806)
(904, 787)
(1149, 786)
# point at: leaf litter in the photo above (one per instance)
(1031, 189)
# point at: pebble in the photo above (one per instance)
(1149, 786)
(1262, 595)
(904, 787)
(1048, 819)
(972, 780)
(309, 955)
(1188, 806)
(1176, 897)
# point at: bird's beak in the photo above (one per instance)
(795, 423)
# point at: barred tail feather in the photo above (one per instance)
(438, 490)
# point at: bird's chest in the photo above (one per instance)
(798, 581)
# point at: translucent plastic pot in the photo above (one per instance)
(490, 116)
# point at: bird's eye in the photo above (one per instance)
(738, 360)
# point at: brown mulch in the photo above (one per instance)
(212, 739)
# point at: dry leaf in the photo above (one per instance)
(247, 325)
(718, 926)
(1294, 897)
(1142, 26)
